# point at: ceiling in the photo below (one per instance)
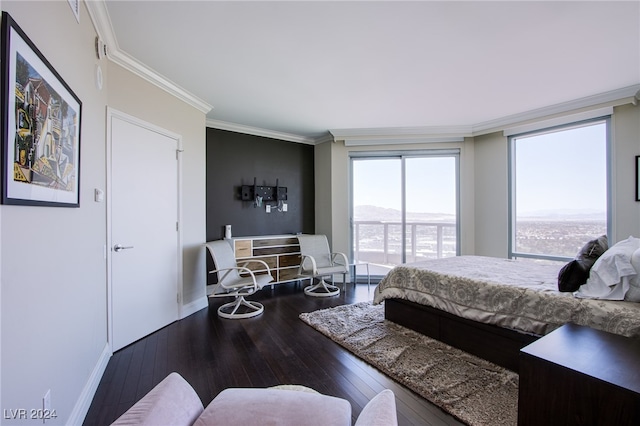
(302, 68)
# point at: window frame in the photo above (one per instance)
(511, 141)
(402, 156)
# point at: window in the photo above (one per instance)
(559, 190)
(404, 207)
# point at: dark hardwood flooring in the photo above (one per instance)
(274, 348)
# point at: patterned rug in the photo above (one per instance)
(471, 389)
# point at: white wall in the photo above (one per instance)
(322, 180)
(52, 264)
(625, 134)
(490, 198)
(53, 293)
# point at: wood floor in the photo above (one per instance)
(274, 348)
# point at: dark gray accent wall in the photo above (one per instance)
(233, 160)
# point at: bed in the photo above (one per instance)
(493, 307)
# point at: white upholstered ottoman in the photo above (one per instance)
(249, 406)
(174, 402)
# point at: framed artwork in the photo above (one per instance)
(40, 127)
(637, 177)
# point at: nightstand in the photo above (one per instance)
(576, 375)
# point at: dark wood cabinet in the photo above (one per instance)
(576, 375)
(281, 254)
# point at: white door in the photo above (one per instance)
(144, 236)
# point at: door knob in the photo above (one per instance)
(119, 247)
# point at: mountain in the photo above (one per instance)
(363, 213)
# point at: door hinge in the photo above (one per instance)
(177, 226)
(178, 151)
(178, 297)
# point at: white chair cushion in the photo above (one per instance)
(317, 247)
(338, 269)
(258, 407)
(172, 402)
(380, 411)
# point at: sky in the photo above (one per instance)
(562, 170)
(432, 184)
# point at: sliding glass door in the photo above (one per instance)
(431, 207)
(404, 207)
(377, 210)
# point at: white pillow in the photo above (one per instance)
(609, 277)
(633, 294)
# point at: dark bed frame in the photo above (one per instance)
(492, 343)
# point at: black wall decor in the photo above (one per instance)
(234, 160)
(259, 194)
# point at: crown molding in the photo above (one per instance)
(328, 137)
(399, 141)
(102, 24)
(399, 135)
(129, 63)
(402, 132)
(560, 120)
(612, 98)
(257, 131)
(381, 136)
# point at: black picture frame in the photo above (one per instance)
(637, 177)
(40, 123)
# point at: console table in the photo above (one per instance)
(280, 252)
(576, 375)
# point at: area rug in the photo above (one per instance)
(471, 389)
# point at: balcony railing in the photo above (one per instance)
(380, 242)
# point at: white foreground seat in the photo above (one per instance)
(232, 284)
(317, 261)
(174, 402)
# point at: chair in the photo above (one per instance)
(317, 261)
(232, 284)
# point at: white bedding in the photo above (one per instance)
(508, 293)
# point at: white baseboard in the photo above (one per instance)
(193, 307)
(83, 403)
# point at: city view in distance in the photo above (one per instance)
(558, 233)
